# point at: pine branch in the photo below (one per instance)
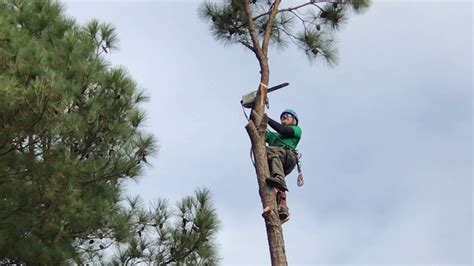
(29, 127)
(193, 248)
(248, 46)
(291, 36)
(304, 21)
(13, 174)
(106, 177)
(311, 2)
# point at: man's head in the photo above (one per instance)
(289, 117)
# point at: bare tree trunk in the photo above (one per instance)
(267, 194)
(256, 130)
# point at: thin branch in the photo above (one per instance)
(191, 250)
(304, 21)
(268, 30)
(7, 151)
(106, 177)
(17, 211)
(322, 10)
(26, 128)
(311, 2)
(15, 173)
(292, 37)
(253, 33)
(248, 46)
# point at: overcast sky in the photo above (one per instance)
(387, 134)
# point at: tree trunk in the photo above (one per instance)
(256, 130)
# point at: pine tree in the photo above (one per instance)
(70, 134)
(70, 131)
(257, 24)
(164, 236)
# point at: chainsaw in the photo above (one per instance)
(248, 100)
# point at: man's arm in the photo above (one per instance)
(283, 130)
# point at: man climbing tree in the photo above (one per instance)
(282, 156)
(256, 24)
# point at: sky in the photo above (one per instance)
(387, 133)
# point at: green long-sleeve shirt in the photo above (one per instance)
(277, 139)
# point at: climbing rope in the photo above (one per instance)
(243, 109)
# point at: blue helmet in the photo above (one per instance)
(291, 112)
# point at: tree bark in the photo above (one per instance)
(256, 130)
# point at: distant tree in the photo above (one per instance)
(164, 236)
(70, 133)
(258, 24)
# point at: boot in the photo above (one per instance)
(277, 182)
(283, 213)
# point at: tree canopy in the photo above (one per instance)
(309, 25)
(70, 134)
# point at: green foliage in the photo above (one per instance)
(359, 6)
(164, 236)
(316, 22)
(70, 131)
(314, 44)
(228, 20)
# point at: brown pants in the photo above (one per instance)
(281, 161)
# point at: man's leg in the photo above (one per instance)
(277, 175)
(283, 210)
